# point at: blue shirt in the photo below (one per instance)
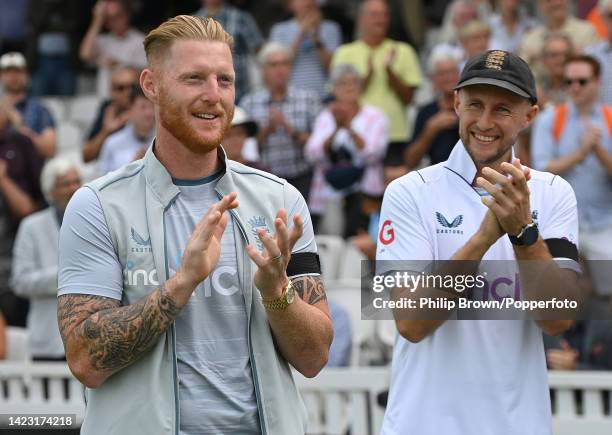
(589, 179)
(35, 115)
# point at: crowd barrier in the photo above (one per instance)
(338, 399)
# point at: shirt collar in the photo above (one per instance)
(159, 179)
(462, 164)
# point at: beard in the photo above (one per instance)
(177, 124)
(497, 156)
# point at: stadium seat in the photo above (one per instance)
(350, 262)
(57, 107)
(347, 293)
(69, 137)
(330, 249)
(83, 109)
(17, 343)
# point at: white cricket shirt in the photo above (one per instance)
(469, 377)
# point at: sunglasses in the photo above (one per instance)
(581, 81)
(122, 87)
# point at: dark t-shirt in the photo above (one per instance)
(443, 142)
(23, 167)
(97, 124)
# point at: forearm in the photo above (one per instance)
(87, 48)
(325, 57)
(303, 331)
(45, 143)
(565, 163)
(91, 149)
(429, 319)
(18, 201)
(541, 280)
(605, 158)
(102, 338)
(403, 91)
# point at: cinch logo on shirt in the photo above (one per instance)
(142, 244)
(449, 227)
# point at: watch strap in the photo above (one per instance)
(280, 303)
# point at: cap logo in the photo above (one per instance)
(495, 59)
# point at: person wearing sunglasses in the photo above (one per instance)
(602, 51)
(113, 113)
(574, 140)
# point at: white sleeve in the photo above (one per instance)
(88, 263)
(562, 220)
(295, 204)
(402, 236)
(323, 128)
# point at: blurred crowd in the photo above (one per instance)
(338, 97)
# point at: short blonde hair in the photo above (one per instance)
(473, 27)
(185, 27)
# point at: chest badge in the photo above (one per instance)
(449, 227)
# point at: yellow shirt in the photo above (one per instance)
(379, 93)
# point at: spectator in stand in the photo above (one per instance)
(474, 38)
(12, 25)
(556, 50)
(313, 41)
(585, 346)
(113, 113)
(240, 141)
(602, 51)
(509, 25)
(20, 195)
(458, 14)
(122, 45)
(35, 254)
(436, 129)
(27, 115)
(347, 147)
(247, 37)
(52, 48)
(285, 116)
(574, 140)
(390, 69)
(557, 18)
(131, 142)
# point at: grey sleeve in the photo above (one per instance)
(88, 263)
(295, 204)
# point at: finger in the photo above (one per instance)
(282, 232)
(296, 231)
(269, 243)
(495, 191)
(219, 229)
(503, 182)
(493, 205)
(515, 170)
(206, 227)
(257, 258)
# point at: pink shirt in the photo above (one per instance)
(372, 125)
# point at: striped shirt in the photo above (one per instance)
(280, 152)
(307, 71)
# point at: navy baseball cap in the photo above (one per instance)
(502, 69)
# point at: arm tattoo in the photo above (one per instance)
(310, 288)
(114, 336)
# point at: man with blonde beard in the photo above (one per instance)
(169, 288)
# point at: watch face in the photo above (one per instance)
(530, 236)
(290, 294)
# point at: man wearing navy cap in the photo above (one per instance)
(466, 377)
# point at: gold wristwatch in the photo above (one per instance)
(283, 301)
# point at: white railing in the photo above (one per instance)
(338, 399)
